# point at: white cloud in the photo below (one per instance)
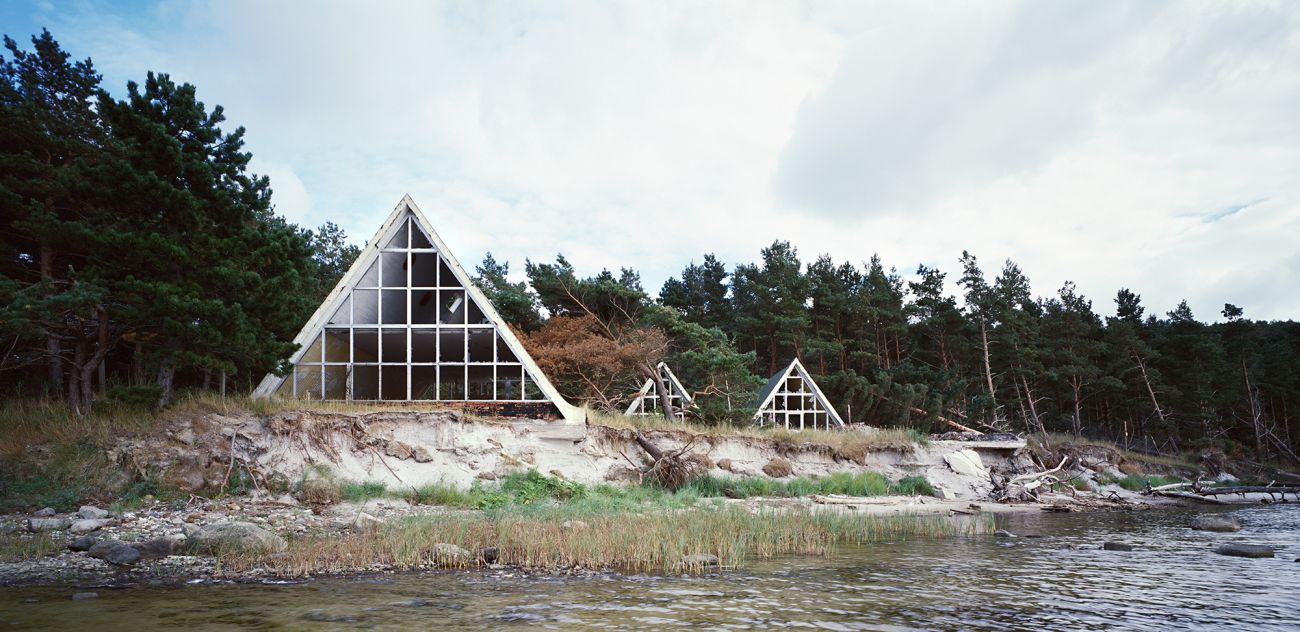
(1087, 142)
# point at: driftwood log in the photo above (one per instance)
(1201, 491)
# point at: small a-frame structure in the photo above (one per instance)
(648, 402)
(792, 400)
(406, 324)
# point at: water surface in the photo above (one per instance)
(1174, 581)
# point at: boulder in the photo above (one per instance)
(90, 512)
(490, 554)
(44, 513)
(158, 548)
(82, 543)
(778, 468)
(573, 525)
(486, 475)
(367, 521)
(1003, 533)
(967, 462)
(48, 524)
(1116, 546)
(86, 526)
(1215, 522)
(1244, 550)
(699, 561)
(449, 554)
(210, 538)
(420, 454)
(114, 552)
(943, 493)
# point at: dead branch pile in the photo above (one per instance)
(1202, 491)
(1026, 487)
(672, 469)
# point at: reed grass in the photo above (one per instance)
(17, 547)
(620, 540)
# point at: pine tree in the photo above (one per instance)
(1072, 341)
(513, 301)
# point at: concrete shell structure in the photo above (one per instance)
(406, 324)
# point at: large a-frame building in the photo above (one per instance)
(406, 324)
(792, 400)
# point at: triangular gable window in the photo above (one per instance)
(791, 400)
(648, 402)
(406, 324)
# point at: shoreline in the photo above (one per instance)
(62, 567)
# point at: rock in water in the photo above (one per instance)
(1116, 546)
(81, 596)
(90, 512)
(1003, 533)
(1245, 550)
(114, 552)
(1215, 522)
(238, 535)
(490, 554)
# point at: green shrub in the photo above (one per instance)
(360, 492)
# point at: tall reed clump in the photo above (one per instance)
(551, 538)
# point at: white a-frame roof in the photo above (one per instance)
(647, 399)
(441, 338)
(792, 400)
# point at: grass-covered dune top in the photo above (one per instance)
(578, 538)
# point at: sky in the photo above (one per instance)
(1147, 145)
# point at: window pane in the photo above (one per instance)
(418, 238)
(394, 382)
(424, 345)
(531, 390)
(366, 308)
(480, 382)
(394, 346)
(509, 382)
(394, 269)
(424, 307)
(394, 307)
(451, 382)
(343, 315)
(336, 382)
(424, 382)
(424, 269)
(451, 345)
(371, 277)
(308, 381)
(445, 277)
(365, 345)
(365, 383)
(338, 345)
(313, 352)
(504, 354)
(476, 315)
(399, 239)
(451, 307)
(480, 345)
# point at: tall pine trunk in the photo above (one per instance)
(988, 369)
(166, 375)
